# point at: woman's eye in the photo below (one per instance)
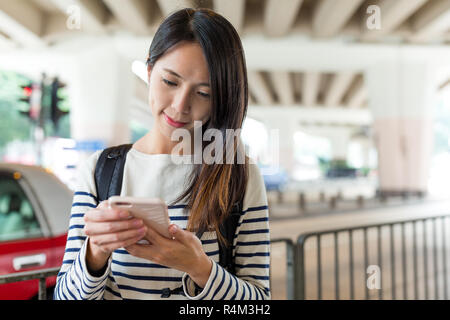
(205, 95)
(169, 83)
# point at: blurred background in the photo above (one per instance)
(349, 111)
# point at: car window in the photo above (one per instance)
(17, 217)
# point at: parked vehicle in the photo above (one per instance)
(276, 179)
(34, 216)
(340, 169)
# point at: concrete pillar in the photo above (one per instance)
(339, 138)
(100, 91)
(400, 98)
(285, 129)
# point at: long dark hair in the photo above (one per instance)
(214, 188)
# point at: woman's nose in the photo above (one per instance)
(182, 102)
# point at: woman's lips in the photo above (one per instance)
(172, 122)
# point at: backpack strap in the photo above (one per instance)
(228, 230)
(109, 171)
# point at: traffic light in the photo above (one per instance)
(32, 97)
(27, 91)
(57, 101)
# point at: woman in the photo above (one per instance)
(197, 75)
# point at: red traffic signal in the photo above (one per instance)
(32, 96)
(27, 90)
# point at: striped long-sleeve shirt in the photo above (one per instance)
(130, 277)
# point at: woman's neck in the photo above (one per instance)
(155, 143)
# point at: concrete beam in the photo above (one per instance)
(340, 82)
(259, 88)
(279, 16)
(22, 21)
(135, 15)
(300, 54)
(444, 85)
(169, 6)
(7, 43)
(93, 13)
(233, 10)
(432, 20)
(283, 85)
(327, 56)
(357, 94)
(250, 99)
(311, 82)
(393, 14)
(330, 16)
(297, 84)
(340, 115)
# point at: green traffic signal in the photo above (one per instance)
(58, 105)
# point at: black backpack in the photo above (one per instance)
(108, 181)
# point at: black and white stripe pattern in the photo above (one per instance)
(129, 277)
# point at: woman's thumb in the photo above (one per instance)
(174, 230)
(177, 233)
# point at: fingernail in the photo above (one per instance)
(137, 223)
(173, 228)
(142, 230)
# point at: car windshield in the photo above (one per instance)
(17, 218)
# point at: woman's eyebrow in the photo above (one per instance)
(178, 76)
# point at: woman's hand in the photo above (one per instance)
(183, 252)
(109, 229)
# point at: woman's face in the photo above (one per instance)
(179, 88)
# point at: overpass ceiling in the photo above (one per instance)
(403, 21)
(44, 23)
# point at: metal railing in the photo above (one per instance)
(290, 265)
(403, 265)
(42, 275)
(411, 245)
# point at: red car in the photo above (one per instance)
(34, 216)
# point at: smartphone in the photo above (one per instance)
(152, 211)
